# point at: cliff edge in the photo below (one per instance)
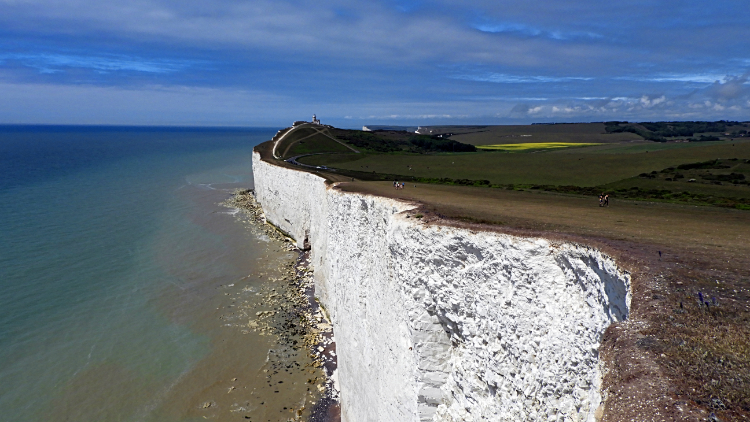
(445, 323)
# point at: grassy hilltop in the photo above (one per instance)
(679, 218)
(676, 171)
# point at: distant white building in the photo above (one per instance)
(315, 121)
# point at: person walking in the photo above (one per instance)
(606, 200)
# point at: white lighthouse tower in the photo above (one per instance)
(315, 120)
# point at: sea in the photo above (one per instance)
(120, 276)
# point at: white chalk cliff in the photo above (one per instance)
(448, 324)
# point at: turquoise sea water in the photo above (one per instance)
(113, 257)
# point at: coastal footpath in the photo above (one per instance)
(438, 322)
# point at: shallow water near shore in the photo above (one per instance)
(121, 277)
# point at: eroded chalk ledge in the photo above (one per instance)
(449, 324)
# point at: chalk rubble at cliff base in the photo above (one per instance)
(294, 319)
(444, 323)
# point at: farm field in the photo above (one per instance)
(535, 146)
(605, 132)
(589, 166)
(511, 134)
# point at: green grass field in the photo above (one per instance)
(310, 139)
(672, 225)
(317, 143)
(591, 166)
(573, 133)
(636, 169)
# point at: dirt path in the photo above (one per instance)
(319, 131)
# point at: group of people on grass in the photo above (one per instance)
(604, 200)
(398, 185)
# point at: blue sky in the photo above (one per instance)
(267, 63)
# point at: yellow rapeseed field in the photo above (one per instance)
(534, 145)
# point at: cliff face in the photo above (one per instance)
(440, 323)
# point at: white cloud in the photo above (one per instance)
(647, 101)
(498, 27)
(518, 79)
(701, 78)
(304, 28)
(732, 88)
(51, 62)
(531, 31)
(505, 99)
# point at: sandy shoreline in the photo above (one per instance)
(297, 320)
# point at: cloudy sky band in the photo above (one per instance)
(479, 61)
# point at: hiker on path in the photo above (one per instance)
(601, 200)
(606, 200)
